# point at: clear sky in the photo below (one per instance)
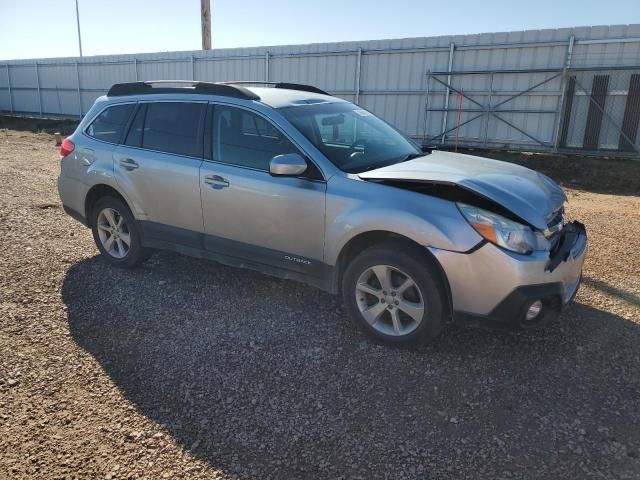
(46, 28)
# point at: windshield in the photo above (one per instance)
(353, 139)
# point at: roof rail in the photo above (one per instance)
(284, 85)
(191, 86)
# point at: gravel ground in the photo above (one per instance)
(188, 369)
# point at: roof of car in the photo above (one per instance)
(277, 95)
(280, 97)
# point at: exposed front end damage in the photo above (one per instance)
(529, 263)
(452, 192)
(493, 286)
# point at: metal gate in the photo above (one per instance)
(570, 110)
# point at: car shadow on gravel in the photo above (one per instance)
(604, 287)
(264, 377)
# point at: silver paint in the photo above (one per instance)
(316, 219)
(531, 195)
(288, 164)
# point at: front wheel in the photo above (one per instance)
(116, 233)
(395, 295)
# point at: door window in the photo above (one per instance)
(134, 137)
(110, 124)
(243, 138)
(173, 127)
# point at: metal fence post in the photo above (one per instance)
(427, 111)
(556, 118)
(266, 66)
(193, 68)
(38, 85)
(58, 97)
(486, 125)
(572, 40)
(452, 48)
(135, 67)
(79, 89)
(9, 88)
(358, 74)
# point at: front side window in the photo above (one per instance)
(110, 124)
(243, 138)
(173, 127)
(353, 139)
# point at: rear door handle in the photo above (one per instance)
(128, 164)
(216, 181)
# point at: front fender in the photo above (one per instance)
(356, 206)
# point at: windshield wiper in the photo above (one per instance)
(387, 163)
(411, 156)
(376, 165)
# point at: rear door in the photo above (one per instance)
(158, 169)
(276, 221)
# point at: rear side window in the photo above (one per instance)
(245, 139)
(110, 124)
(174, 127)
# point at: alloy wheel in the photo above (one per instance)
(389, 300)
(114, 233)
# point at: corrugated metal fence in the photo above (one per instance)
(533, 90)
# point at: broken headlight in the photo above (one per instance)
(503, 232)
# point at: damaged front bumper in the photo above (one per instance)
(490, 285)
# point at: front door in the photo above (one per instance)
(276, 221)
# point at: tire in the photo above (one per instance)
(395, 317)
(111, 215)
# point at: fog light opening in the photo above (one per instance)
(533, 311)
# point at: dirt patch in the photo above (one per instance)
(188, 369)
(38, 125)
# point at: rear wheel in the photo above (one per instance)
(116, 233)
(394, 293)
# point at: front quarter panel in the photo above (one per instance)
(356, 206)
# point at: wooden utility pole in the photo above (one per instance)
(205, 14)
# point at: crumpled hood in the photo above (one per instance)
(530, 195)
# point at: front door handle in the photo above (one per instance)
(128, 164)
(216, 181)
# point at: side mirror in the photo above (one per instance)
(287, 165)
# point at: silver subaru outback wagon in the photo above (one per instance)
(288, 180)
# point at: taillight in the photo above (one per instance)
(67, 147)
